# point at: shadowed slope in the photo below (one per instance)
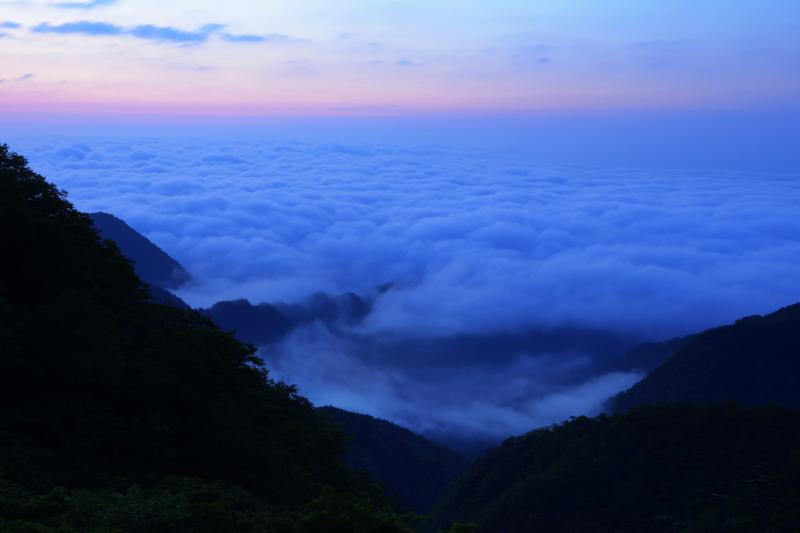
(150, 262)
(753, 361)
(658, 469)
(415, 470)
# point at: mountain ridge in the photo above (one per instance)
(150, 262)
(754, 361)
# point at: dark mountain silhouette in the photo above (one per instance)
(158, 270)
(163, 296)
(257, 324)
(119, 414)
(267, 323)
(150, 262)
(657, 469)
(415, 470)
(647, 357)
(754, 361)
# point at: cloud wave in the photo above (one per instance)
(469, 239)
(471, 245)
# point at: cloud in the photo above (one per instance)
(243, 38)
(24, 77)
(80, 27)
(247, 38)
(89, 4)
(459, 401)
(159, 33)
(490, 262)
(167, 33)
(470, 240)
(212, 28)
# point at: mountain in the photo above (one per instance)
(415, 470)
(150, 262)
(657, 469)
(119, 414)
(267, 323)
(647, 357)
(753, 361)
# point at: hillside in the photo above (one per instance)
(414, 469)
(117, 414)
(648, 356)
(267, 323)
(754, 361)
(664, 468)
(150, 262)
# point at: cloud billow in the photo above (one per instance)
(498, 251)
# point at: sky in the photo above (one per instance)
(396, 57)
(614, 171)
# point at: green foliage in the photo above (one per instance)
(663, 468)
(187, 505)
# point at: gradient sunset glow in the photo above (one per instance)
(243, 58)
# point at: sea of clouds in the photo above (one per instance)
(471, 245)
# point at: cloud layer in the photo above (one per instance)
(472, 245)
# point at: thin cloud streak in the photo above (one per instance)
(90, 4)
(82, 27)
(152, 32)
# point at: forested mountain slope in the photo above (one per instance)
(753, 361)
(414, 469)
(657, 469)
(150, 262)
